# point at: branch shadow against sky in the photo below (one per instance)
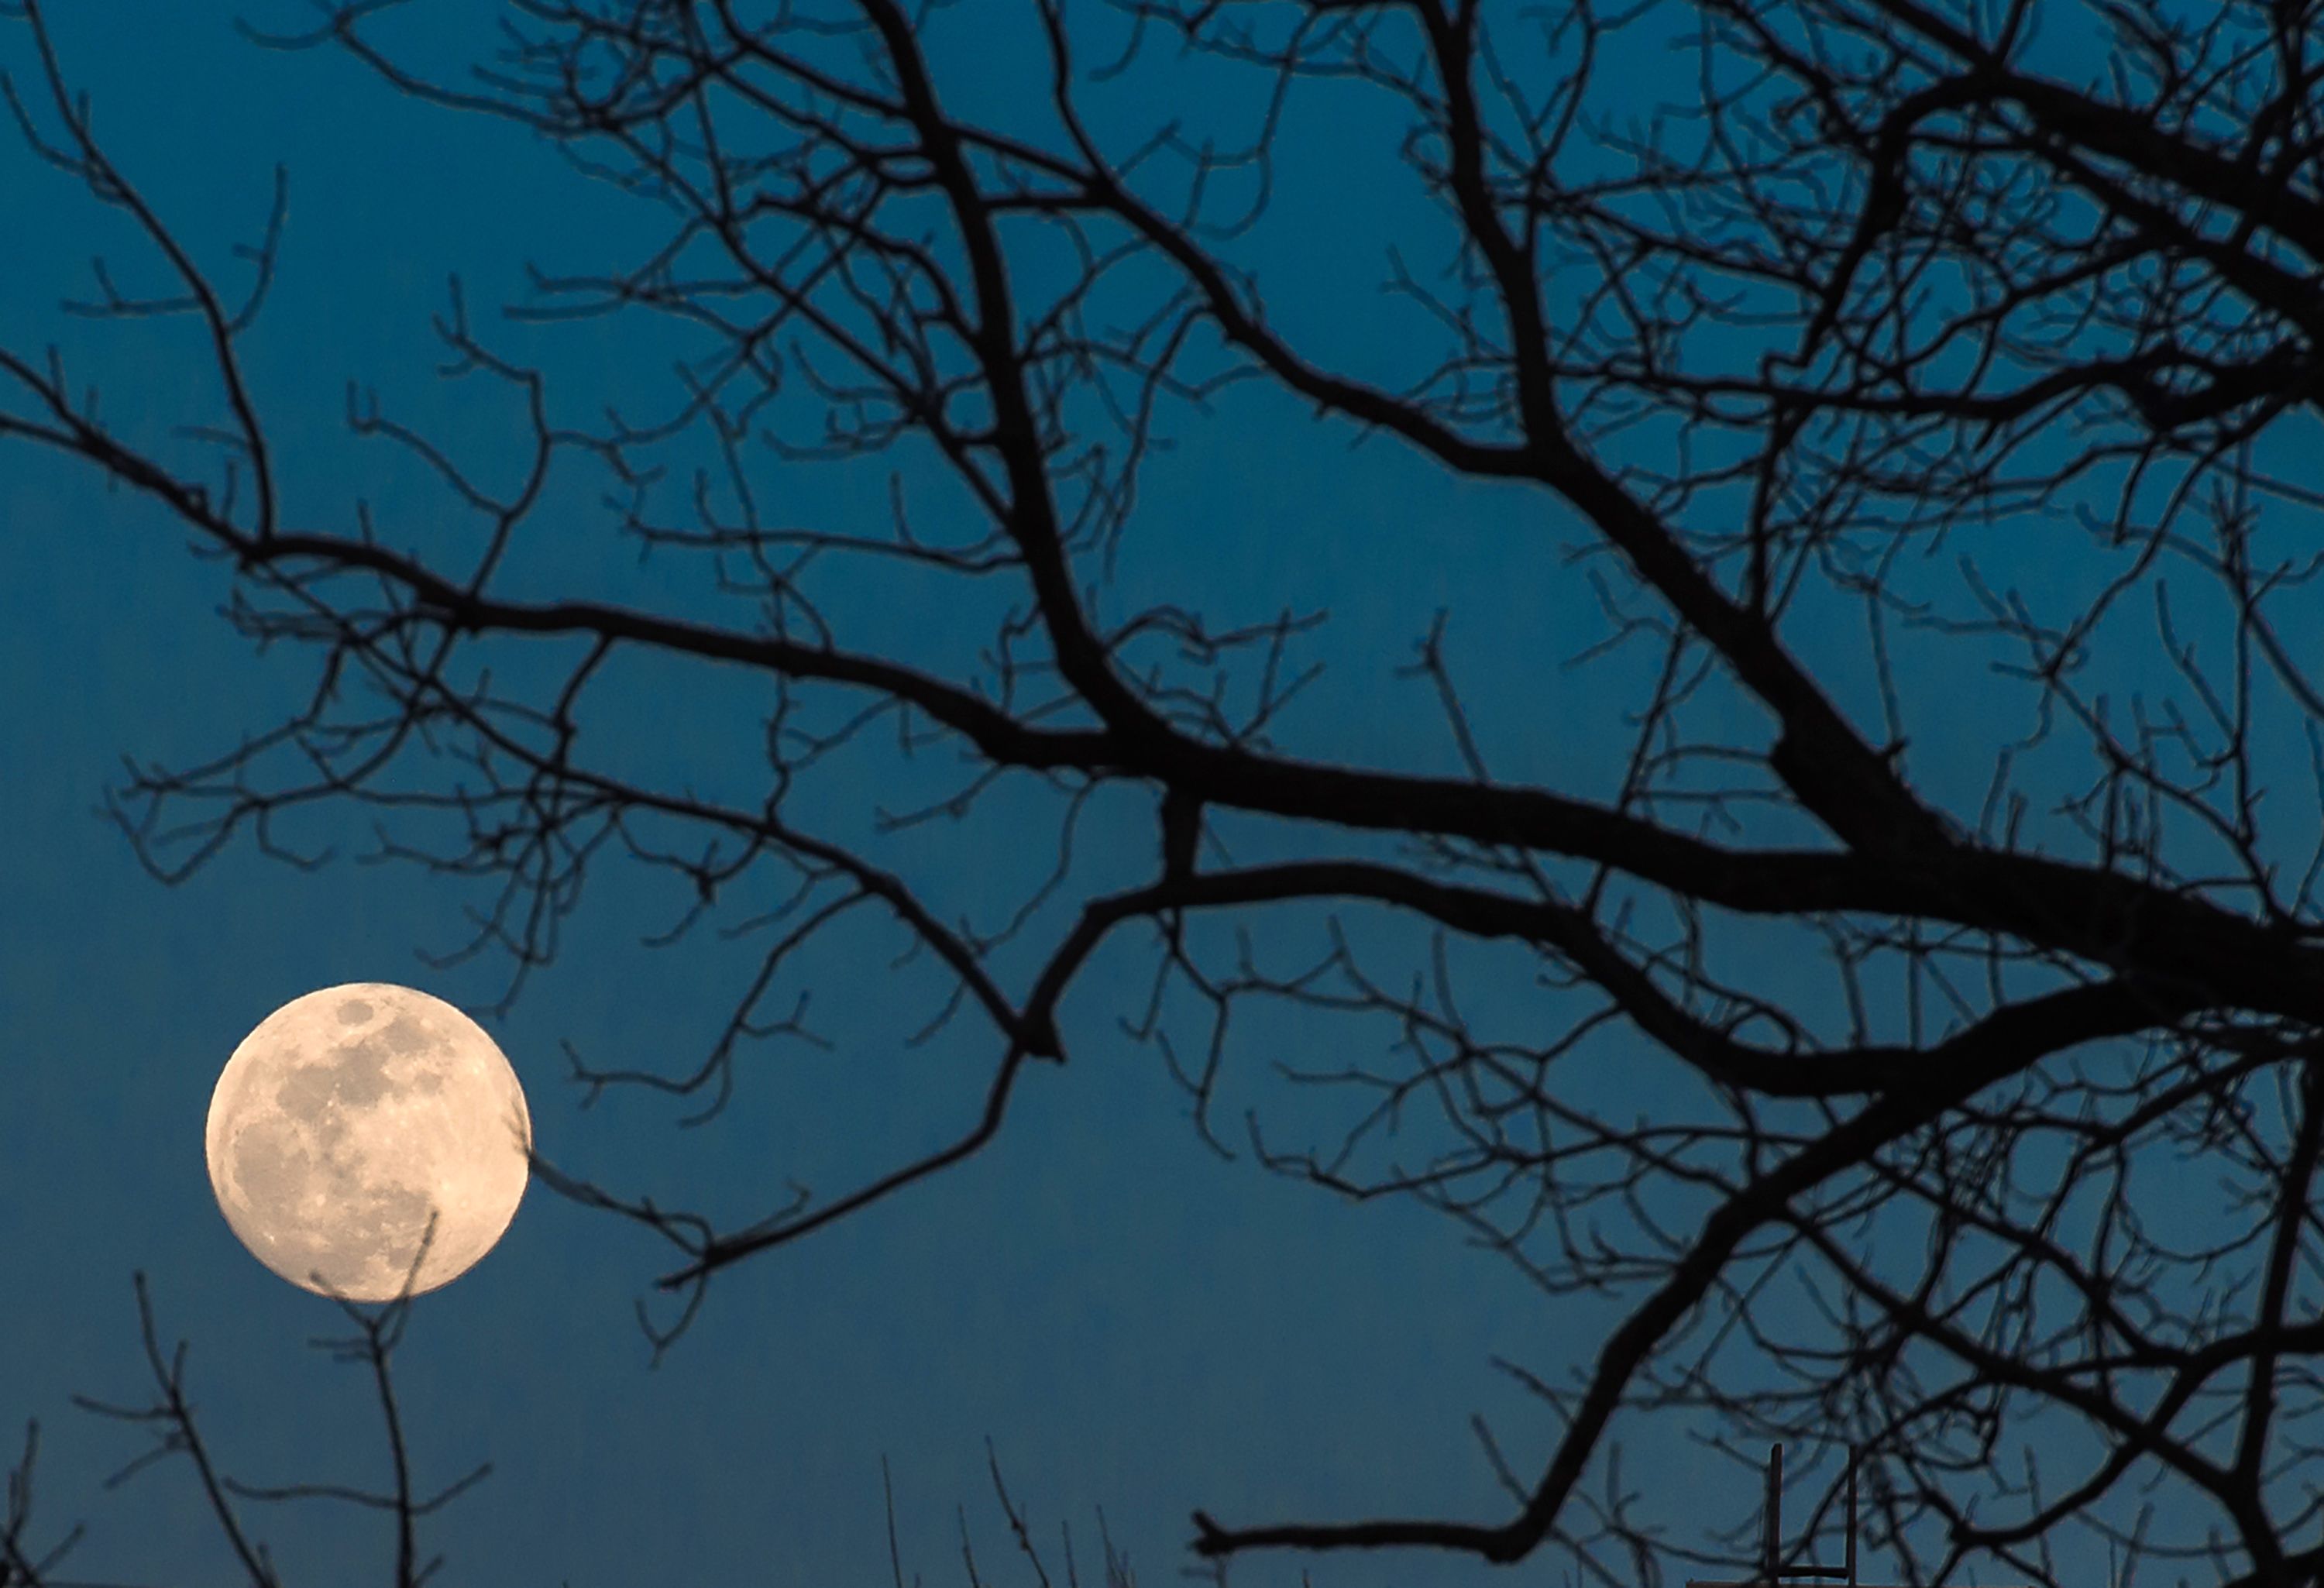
(1910, 1041)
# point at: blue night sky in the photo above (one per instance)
(1134, 1322)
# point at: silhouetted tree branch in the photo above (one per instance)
(1894, 315)
(169, 1419)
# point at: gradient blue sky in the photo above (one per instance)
(1135, 1324)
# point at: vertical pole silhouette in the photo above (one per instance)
(1852, 1453)
(1773, 1551)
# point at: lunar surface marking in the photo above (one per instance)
(347, 1118)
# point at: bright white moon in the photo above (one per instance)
(348, 1118)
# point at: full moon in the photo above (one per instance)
(348, 1120)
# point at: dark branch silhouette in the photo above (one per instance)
(1913, 377)
(169, 1419)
